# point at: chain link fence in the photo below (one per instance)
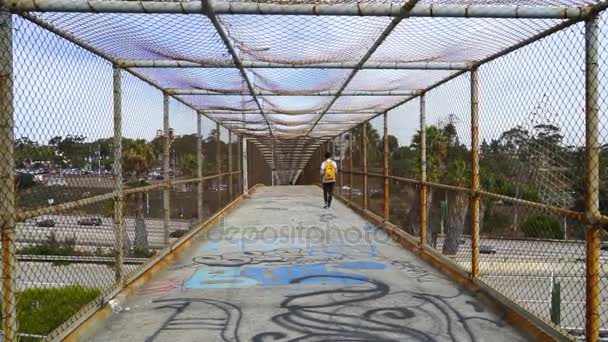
(96, 183)
(511, 189)
(484, 139)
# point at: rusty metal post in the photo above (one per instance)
(218, 159)
(423, 185)
(166, 170)
(119, 225)
(273, 169)
(7, 186)
(592, 177)
(475, 173)
(230, 165)
(385, 168)
(341, 166)
(199, 166)
(245, 171)
(238, 163)
(350, 166)
(365, 179)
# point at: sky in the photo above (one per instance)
(61, 89)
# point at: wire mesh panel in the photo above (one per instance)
(259, 172)
(62, 146)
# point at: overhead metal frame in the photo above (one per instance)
(292, 93)
(146, 63)
(254, 8)
(403, 12)
(235, 57)
(213, 8)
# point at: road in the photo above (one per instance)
(91, 237)
(524, 271)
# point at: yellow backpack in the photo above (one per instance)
(330, 171)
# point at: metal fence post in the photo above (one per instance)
(245, 171)
(199, 166)
(364, 147)
(350, 166)
(239, 167)
(341, 166)
(385, 168)
(423, 185)
(475, 173)
(7, 206)
(218, 159)
(166, 168)
(230, 165)
(117, 170)
(272, 166)
(592, 177)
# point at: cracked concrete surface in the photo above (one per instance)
(281, 268)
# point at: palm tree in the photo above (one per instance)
(437, 146)
(457, 175)
(138, 157)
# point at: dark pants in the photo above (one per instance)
(328, 191)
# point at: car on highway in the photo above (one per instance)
(45, 223)
(90, 221)
(487, 249)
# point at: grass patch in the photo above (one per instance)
(41, 310)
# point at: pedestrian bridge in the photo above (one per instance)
(159, 170)
(279, 267)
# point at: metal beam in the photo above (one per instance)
(235, 57)
(403, 12)
(592, 179)
(7, 182)
(254, 8)
(144, 63)
(166, 170)
(118, 224)
(301, 93)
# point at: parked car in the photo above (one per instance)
(46, 223)
(486, 249)
(90, 221)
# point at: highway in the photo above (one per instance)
(91, 237)
(524, 271)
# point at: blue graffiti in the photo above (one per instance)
(248, 276)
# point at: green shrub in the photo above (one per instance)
(41, 310)
(542, 226)
(52, 246)
(24, 181)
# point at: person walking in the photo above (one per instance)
(329, 170)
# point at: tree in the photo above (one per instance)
(189, 165)
(138, 157)
(27, 151)
(72, 150)
(393, 143)
(458, 175)
(437, 148)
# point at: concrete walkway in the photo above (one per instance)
(281, 268)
